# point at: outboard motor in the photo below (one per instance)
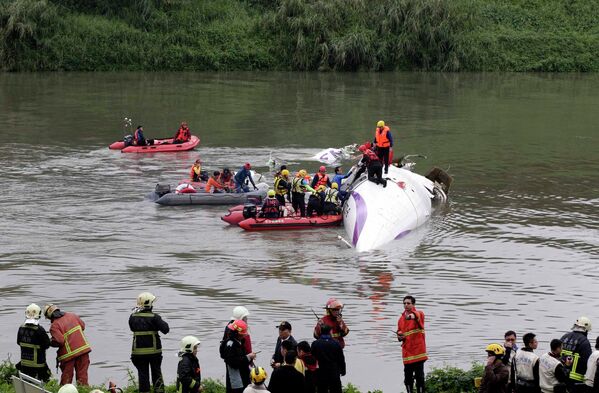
(249, 211)
(162, 189)
(128, 140)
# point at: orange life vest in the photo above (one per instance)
(381, 137)
(371, 155)
(322, 180)
(413, 348)
(183, 134)
(67, 331)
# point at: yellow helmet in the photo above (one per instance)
(33, 311)
(380, 123)
(258, 375)
(497, 349)
(335, 185)
(145, 300)
(284, 172)
(303, 173)
(271, 193)
(321, 188)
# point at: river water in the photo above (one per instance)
(517, 247)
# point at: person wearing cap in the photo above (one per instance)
(237, 361)
(331, 362)
(183, 134)
(146, 350)
(333, 319)
(496, 373)
(34, 341)
(242, 313)
(383, 141)
(282, 186)
(591, 377)
(270, 207)
(576, 344)
(321, 178)
(554, 369)
(410, 333)
(284, 336)
(66, 331)
(242, 176)
(286, 378)
(189, 377)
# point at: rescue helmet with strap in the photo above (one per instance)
(584, 323)
(239, 326)
(240, 312)
(188, 343)
(49, 310)
(380, 123)
(335, 185)
(271, 193)
(495, 349)
(145, 300)
(33, 311)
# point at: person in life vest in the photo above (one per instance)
(189, 377)
(138, 137)
(576, 344)
(240, 313)
(334, 320)
(321, 178)
(185, 188)
(183, 134)
(146, 350)
(244, 174)
(553, 369)
(331, 200)
(591, 377)
(384, 143)
(299, 185)
(526, 364)
(315, 202)
(195, 174)
(410, 333)
(496, 373)
(283, 187)
(270, 207)
(213, 185)
(66, 331)
(226, 179)
(371, 162)
(34, 341)
(237, 360)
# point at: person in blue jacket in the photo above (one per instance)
(339, 176)
(241, 176)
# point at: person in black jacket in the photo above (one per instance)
(286, 379)
(235, 357)
(146, 351)
(284, 335)
(331, 362)
(34, 341)
(189, 377)
(576, 344)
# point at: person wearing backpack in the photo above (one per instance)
(236, 359)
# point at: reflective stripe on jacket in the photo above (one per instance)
(67, 334)
(145, 326)
(413, 347)
(33, 341)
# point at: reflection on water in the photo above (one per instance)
(516, 247)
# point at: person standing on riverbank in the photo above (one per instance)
(526, 366)
(576, 344)
(591, 378)
(66, 331)
(240, 313)
(410, 332)
(237, 360)
(511, 349)
(34, 341)
(384, 143)
(553, 371)
(189, 377)
(496, 374)
(334, 320)
(146, 351)
(284, 335)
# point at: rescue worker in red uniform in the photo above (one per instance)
(321, 178)
(371, 162)
(146, 351)
(66, 331)
(183, 134)
(270, 207)
(34, 341)
(334, 320)
(410, 333)
(384, 143)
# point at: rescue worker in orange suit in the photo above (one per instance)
(146, 351)
(334, 320)
(270, 207)
(213, 185)
(183, 134)
(384, 143)
(371, 162)
(66, 331)
(410, 333)
(321, 178)
(34, 341)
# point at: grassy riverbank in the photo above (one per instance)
(348, 35)
(443, 380)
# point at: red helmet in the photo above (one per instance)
(247, 165)
(239, 326)
(333, 303)
(362, 148)
(322, 169)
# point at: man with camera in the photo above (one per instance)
(410, 333)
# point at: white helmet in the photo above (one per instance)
(145, 300)
(240, 312)
(68, 388)
(49, 310)
(584, 323)
(188, 343)
(33, 311)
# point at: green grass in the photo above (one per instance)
(341, 35)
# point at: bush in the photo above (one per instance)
(453, 380)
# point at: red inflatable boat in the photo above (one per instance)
(160, 145)
(235, 214)
(293, 222)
